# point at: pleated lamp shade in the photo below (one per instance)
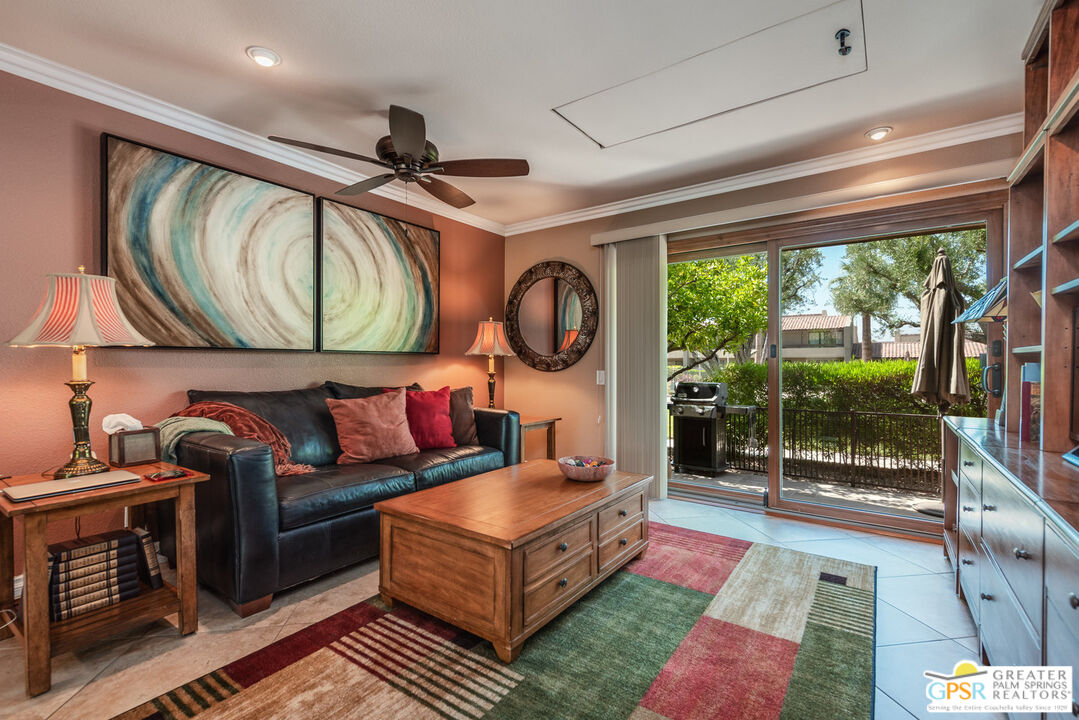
(79, 310)
(490, 340)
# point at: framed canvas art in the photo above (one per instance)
(567, 314)
(205, 257)
(380, 283)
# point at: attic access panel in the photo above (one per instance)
(792, 55)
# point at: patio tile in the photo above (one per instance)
(857, 550)
(719, 523)
(895, 627)
(884, 708)
(931, 600)
(788, 530)
(929, 555)
(899, 675)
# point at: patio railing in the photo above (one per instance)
(886, 450)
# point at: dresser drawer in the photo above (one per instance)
(1012, 530)
(1062, 579)
(970, 464)
(626, 539)
(542, 555)
(970, 508)
(1062, 648)
(549, 594)
(620, 511)
(1005, 635)
(970, 565)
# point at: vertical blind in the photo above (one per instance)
(635, 290)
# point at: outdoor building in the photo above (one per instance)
(818, 338)
(907, 346)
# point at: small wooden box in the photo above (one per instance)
(134, 447)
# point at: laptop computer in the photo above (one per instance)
(49, 488)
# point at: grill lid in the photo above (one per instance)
(715, 393)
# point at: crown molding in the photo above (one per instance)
(983, 130)
(91, 87)
(68, 79)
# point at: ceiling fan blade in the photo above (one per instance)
(330, 150)
(408, 131)
(445, 192)
(366, 185)
(483, 167)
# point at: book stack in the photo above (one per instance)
(94, 572)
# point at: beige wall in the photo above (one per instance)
(572, 393)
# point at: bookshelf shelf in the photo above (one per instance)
(1069, 288)
(1032, 260)
(1031, 158)
(1071, 232)
(1027, 350)
(1066, 108)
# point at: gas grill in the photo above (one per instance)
(699, 413)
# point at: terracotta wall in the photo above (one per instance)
(49, 222)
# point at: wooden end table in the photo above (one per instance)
(536, 422)
(503, 553)
(43, 639)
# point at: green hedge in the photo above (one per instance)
(863, 386)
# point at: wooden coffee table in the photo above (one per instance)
(502, 553)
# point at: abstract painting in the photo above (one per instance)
(205, 257)
(379, 283)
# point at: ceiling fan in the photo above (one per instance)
(411, 157)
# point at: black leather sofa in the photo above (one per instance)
(258, 533)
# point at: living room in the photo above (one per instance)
(275, 213)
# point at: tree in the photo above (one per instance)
(879, 274)
(719, 305)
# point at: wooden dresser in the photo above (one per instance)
(1011, 514)
(503, 553)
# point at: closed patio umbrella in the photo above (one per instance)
(941, 374)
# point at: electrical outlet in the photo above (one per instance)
(601, 377)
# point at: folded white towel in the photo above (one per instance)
(119, 421)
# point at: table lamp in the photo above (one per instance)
(490, 341)
(79, 311)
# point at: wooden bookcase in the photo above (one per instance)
(1043, 225)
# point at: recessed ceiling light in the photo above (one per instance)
(878, 133)
(263, 56)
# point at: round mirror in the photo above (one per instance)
(551, 316)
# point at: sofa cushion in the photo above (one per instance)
(463, 417)
(436, 467)
(336, 490)
(344, 391)
(300, 415)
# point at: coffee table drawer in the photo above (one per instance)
(624, 539)
(620, 511)
(545, 554)
(1012, 530)
(557, 589)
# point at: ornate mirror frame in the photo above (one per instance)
(589, 315)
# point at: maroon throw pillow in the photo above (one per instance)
(428, 414)
(463, 417)
(372, 428)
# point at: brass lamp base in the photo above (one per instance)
(82, 460)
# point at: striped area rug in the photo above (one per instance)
(701, 627)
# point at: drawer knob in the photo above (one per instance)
(563, 582)
(1021, 554)
(968, 508)
(1073, 600)
(563, 547)
(989, 508)
(968, 463)
(623, 541)
(964, 561)
(1075, 708)
(623, 512)
(986, 596)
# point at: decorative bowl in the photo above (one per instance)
(585, 468)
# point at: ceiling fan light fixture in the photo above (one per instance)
(878, 133)
(263, 56)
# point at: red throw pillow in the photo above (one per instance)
(372, 428)
(429, 421)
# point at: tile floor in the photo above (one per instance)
(920, 624)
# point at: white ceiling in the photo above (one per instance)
(487, 73)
